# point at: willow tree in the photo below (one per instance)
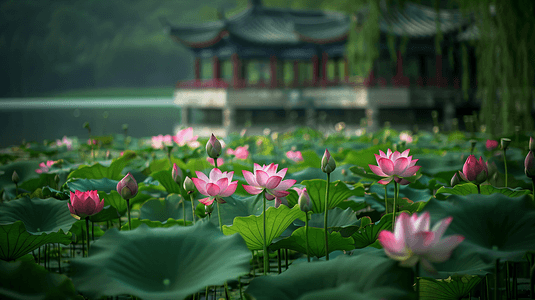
(504, 46)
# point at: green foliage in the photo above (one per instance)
(451, 288)
(316, 236)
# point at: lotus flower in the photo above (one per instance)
(412, 242)
(394, 166)
(295, 156)
(529, 165)
(85, 204)
(328, 164)
(474, 170)
(407, 138)
(64, 142)
(185, 136)
(127, 187)
(45, 167)
(304, 201)
(240, 152)
(213, 147)
(491, 145)
(177, 174)
(267, 178)
(218, 185)
(159, 141)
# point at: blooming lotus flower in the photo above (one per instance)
(529, 165)
(267, 178)
(45, 167)
(185, 136)
(85, 204)
(474, 170)
(296, 156)
(394, 166)
(407, 138)
(412, 242)
(240, 152)
(220, 161)
(159, 141)
(127, 187)
(65, 141)
(218, 185)
(491, 145)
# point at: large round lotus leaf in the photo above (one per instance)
(337, 218)
(404, 192)
(38, 215)
(238, 206)
(27, 280)
(99, 171)
(163, 209)
(470, 188)
(494, 226)
(451, 288)
(84, 185)
(251, 228)
(44, 179)
(160, 263)
(15, 241)
(316, 242)
(166, 180)
(366, 276)
(135, 223)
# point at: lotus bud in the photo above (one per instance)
(177, 174)
(327, 163)
(529, 165)
(505, 143)
(455, 180)
(15, 177)
(474, 170)
(213, 147)
(189, 186)
(127, 187)
(531, 144)
(304, 201)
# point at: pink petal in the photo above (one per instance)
(282, 173)
(377, 171)
(200, 185)
(273, 182)
(420, 223)
(202, 177)
(401, 181)
(222, 183)
(253, 190)
(269, 197)
(230, 189)
(393, 248)
(382, 154)
(250, 178)
(215, 174)
(395, 156)
(279, 194)
(405, 153)
(207, 201)
(262, 178)
(400, 165)
(286, 184)
(411, 171)
(442, 250)
(413, 162)
(256, 167)
(387, 166)
(272, 169)
(388, 154)
(420, 242)
(385, 181)
(212, 189)
(71, 209)
(440, 227)
(86, 206)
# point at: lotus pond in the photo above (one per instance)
(297, 215)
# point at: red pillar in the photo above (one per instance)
(324, 59)
(296, 73)
(315, 67)
(235, 70)
(216, 70)
(273, 70)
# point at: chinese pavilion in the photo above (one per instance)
(269, 65)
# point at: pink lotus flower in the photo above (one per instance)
(267, 178)
(394, 166)
(127, 187)
(295, 156)
(220, 161)
(529, 165)
(91, 141)
(407, 138)
(491, 145)
(45, 167)
(474, 170)
(218, 185)
(412, 242)
(85, 204)
(65, 141)
(240, 152)
(185, 136)
(159, 141)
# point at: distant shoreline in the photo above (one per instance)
(118, 92)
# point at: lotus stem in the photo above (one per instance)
(87, 230)
(533, 187)
(39, 258)
(16, 189)
(325, 219)
(497, 279)
(532, 279)
(239, 288)
(478, 188)
(226, 291)
(192, 208)
(394, 206)
(505, 164)
(487, 287)
(83, 243)
(184, 210)
(219, 217)
(266, 258)
(92, 232)
(306, 236)
(286, 258)
(59, 258)
(417, 281)
(386, 200)
(120, 223)
(206, 293)
(128, 210)
(508, 280)
(279, 260)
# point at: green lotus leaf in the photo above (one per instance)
(99, 171)
(43, 180)
(140, 262)
(114, 200)
(470, 188)
(451, 288)
(338, 192)
(238, 206)
(135, 223)
(38, 215)
(404, 192)
(166, 180)
(26, 280)
(251, 227)
(495, 226)
(337, 218)
(16, 242)
(84, 185)
(367, 233)
(364, 173)
(316, 242)
(366, 276)
(80, 225)
(163, 209)
(355, 203)
(162, 164)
